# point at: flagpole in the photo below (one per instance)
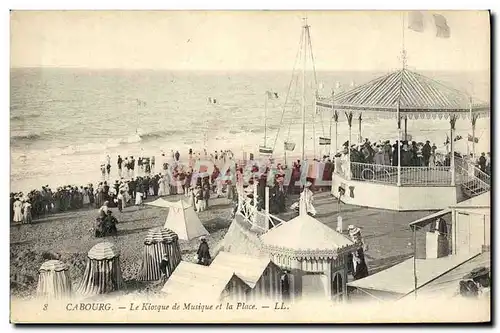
(330, 148)
(304, 93)
(265, 119)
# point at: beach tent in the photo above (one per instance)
(191, 281)
(102, 274)
(157, 243)
(54, 280)
(181, 219)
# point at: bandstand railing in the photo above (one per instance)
(426, 176)
(375, 173)
(260, 221)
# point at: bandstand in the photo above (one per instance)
(403, 95)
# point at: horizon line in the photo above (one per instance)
(236, 70)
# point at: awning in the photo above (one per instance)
(433, 216)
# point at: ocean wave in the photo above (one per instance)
(159, 134)
(23, 117)
(25, 137)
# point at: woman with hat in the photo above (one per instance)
(306, 200)
(27, 218)
(18, 207)
(357, 264)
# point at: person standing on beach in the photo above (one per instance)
(108, 171)
(138, 197)
(119, 165)
(152, 164)
(177, 156)
(203, 252)
(132, 165)
(27, 219)
(18, 214)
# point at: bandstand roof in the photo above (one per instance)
(418, 96)
(305, 237)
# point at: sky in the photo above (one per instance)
(252, 40)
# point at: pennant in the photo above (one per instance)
(469, 138)
(290, 146)
(272, 95)
(442, 28)
(416, 21)
(324, 141)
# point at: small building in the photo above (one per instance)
(204, 283)
(261, 274)
(315, 255)
(471, 225)
(469, 236)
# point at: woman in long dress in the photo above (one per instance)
(151, 190)
(18, 213)
(138, 198)
(27, 218)
(161, 183)
(86, 199)
(168, 182)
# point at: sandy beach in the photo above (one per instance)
(67, 236)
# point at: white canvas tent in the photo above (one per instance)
(181, 219)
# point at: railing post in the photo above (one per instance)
(267, 202)
(453, 120)
(399, 152)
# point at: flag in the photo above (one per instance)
(324, 141)
(416, 21)
(265, 150)
(469, 138)
(290, 146)
(442, 28)
(272, 95)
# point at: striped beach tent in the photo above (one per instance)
(157, 243)
(54, 280)
(102, 274)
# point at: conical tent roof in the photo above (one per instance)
(418, 96)
(181, 219)
(306, 237)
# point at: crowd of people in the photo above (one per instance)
(136, 181)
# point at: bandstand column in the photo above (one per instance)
(406, 129)
(360, 138)
(453, 120)
(474, 119)
(399, 148)
(336, 118)
(349, 122)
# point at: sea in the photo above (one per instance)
(64, 121)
